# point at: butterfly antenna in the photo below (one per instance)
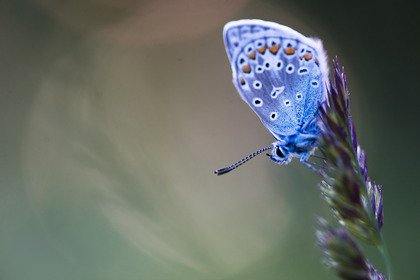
(239, 163)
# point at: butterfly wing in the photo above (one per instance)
(278, 72)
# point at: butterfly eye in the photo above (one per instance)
(314, 83)
(257, 102)
(257, 84)
(299, 96)
(279, 153)
(273, 116)
(287, 102)
(290, 68)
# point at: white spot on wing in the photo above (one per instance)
(276, 92)
(290, 69)
(257, 84)
(257, 102)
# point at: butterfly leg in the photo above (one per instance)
(315, 156)
(311, 165)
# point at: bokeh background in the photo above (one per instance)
(114, 114)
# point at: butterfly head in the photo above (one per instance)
(280, 154)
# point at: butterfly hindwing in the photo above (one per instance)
(277, 71)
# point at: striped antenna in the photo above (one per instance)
(239, 163)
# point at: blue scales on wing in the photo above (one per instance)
(278, 72)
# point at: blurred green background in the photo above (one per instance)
(114, 115)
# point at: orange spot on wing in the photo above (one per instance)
(252, 55)
(289, 50)
(316, 61)
(262, 49)
(274, 49)
(308, 56)
(246, 69)
(242, 81)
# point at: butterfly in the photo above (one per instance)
(281, 75)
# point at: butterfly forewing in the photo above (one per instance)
(278, 72)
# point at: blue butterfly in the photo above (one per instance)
(282, 76)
